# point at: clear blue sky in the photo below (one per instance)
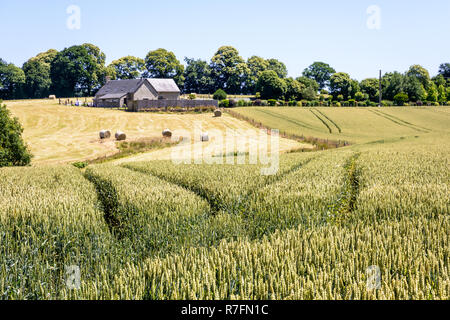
(296, 32)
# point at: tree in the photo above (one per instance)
(413, 87)
(12, 79)
(256, 65)
(359, 96)
(198, 76)
(279, 67)
(444, 70)
(341, 83)
(270, 85)
(432, 93)
(442, 95)
(371, 87)
(439, 80)
(220, 95)
(320, 72)
(228, 69)
(161, 63)
(13, 151)
(392, 84)
(128, 67)
(309, 83)
(421, 74)
(294, 89)
(37, 74)
(78, 70)
(401, 98)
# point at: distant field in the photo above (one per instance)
(357, 125)
(58, 134)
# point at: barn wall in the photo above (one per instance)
(170, 95)
(143, 105)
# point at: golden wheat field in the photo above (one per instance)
(147, 228)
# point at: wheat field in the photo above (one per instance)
(140, 229)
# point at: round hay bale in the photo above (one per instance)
(204, 137)
(52, 96)
(218, 113)
(105, 134)
(167, 133)
(120, 136)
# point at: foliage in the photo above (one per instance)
(198, 77)
(342, 84)
(161, 63)
(279, 67)
(228, 69)
(128, 67)
(37, 74)
(220, 95)
(320, 72)
(270, 85)
(371, 87)
(12, 80)
(294, 89)
(13, 150)
(401, 98)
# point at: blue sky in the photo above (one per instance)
(295, 32)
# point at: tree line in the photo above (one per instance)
(81, 70)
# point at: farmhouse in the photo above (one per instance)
(121, 93)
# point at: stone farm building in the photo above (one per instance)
(121, 93)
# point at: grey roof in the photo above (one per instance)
(164, 85)
(113, 95)
(116, 89)
(123, 87)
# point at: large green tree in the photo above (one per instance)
(12, 80)
(128, 67)
(78, 70)
(270, 85)
(229, 69)
(421, 74)
(294, 89)
(256, 65)
(371, 87)
(198, 76)
(342, 84)
(392, 84)
(414, 88)
(444, 70)
(321, 72)
(161, 63)
(13, 150)
(37, 74)
(279, 67)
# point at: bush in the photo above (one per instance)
(192, 96)
(387, 103)
(233, 103)
(300, 104)
(257, 103)
(241, 103)
(13, 150)
(272, 102)
(224, 103)
(264, 103)
(220, 95)
(352, 103)
(436, 104)
(401, 98)
(292, 103)
(80, 165)
(338, 104)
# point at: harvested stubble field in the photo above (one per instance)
(156, 230)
